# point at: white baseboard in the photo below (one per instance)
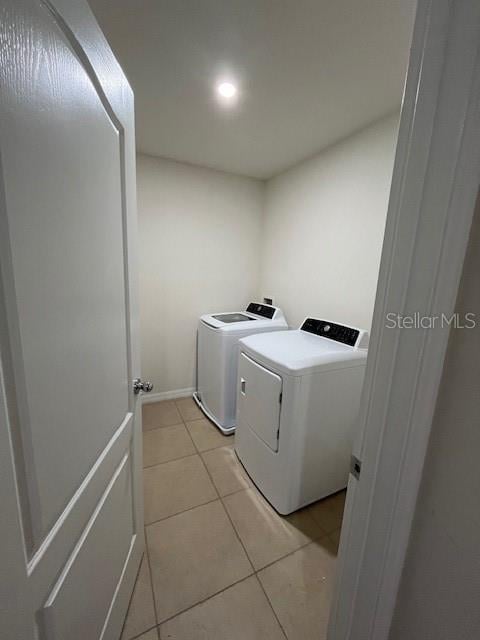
(167, 395)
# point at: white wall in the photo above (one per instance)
(199, 246)
(323, 229)
(319, 226)
(440, 591)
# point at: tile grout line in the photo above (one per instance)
(220, 498)
(271, 605)
(193, 441)
(164, 426)
(290, 553)
(147, 555)
(251, 562)
(212, 448)
(158, 464)
(178, 513)
(142, 633)
(226, 513)
(242, 545)
(131, 598)
(255, 572)
(191, 508)
(214, 595)
(322, 536)
(183, 422)
(149, 566)
(189, 455)
(232, 493)
(197, 453)
(226, 495)
(275, 562)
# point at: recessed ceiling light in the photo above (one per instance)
(226, 90)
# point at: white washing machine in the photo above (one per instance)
(217, 357)
(298, 397)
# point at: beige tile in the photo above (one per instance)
(328, 513)
(175, 486)
(242, 612)
(160, 414)
(193, 555)
(168, 443)
(141, 613)
(206, 436)
(227, 473)
(188, 409)
(150, 635)
(299, 588)
(266, 535)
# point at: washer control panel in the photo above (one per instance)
(264, 310)
(337, 332)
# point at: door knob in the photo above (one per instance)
(138, 386)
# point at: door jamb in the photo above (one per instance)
(434, 188)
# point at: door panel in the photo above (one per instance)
(259, 399)
(68, 320)
(47, 563)
(70, 288)
(94, 566)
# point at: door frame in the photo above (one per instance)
(18, 608)
(434, 188)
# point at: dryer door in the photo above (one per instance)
(260, 399)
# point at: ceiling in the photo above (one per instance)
(309, 73)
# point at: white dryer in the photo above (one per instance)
(298, 397)
(217, 357)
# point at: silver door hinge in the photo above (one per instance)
(355, 467)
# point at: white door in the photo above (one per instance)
(259, 400)
(69, 423)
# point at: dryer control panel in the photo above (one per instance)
(337, 332)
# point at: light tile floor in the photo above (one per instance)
(220, 562)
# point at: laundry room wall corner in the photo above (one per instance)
(199, 235)
(323, 228)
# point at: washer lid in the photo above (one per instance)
(228, 318)
(258, 316)
(299, 352)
